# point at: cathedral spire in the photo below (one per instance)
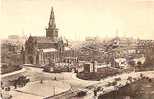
(52, 31)
(52, 19)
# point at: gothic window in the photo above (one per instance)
(31, 59)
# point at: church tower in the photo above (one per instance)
(52, 31)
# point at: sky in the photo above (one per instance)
(77, 19)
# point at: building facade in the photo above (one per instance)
(43, 49)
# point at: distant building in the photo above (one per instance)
(121, 62)
(41, 49)
(146, 47)
(13, 37)
(90, 66)
(13, 43)
(10, 56)
(145, 44)
(141, 60)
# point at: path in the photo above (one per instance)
(13, 73)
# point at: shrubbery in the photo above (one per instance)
(9, 68)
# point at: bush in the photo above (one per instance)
(129, 79)
(139, 63)
(81, 93)
(114, 83)
(117, 79)
(9, 68)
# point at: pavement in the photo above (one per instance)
(36, 74)
(13, 73)
(30, 91)
(83, 84)
(46, 89)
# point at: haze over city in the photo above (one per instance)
(77, 19)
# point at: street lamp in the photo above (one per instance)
(54, 89)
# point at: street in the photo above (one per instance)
(69, 79)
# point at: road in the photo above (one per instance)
(104, 82)
(122, 82)
(36, 74)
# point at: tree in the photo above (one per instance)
(139, 63)
(132, 63)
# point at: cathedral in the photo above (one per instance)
(43, 49)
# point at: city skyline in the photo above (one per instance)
(70, 49)
(79, 19)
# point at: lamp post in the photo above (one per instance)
(54, 90)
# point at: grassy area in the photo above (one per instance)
(46, 88)
(9, 68)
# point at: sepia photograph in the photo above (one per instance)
(77, 49)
